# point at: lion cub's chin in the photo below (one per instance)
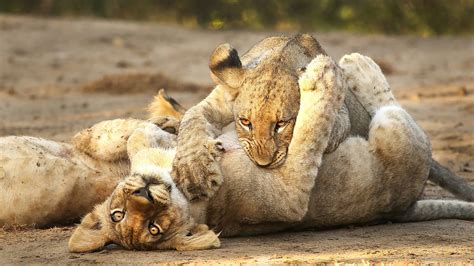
(145, 212)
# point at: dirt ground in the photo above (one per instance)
(60, 76)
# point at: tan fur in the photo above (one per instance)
(106, 141)
(378, 166)
(324, 96)
(309, 191)
(70, 178)
(259, 92)
(261, 87)
(163, 105)
(381, 182)
(43, 183)
(166, 209)
(148, 197)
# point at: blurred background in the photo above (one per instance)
(420, 17)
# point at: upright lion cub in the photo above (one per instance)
(259, 93)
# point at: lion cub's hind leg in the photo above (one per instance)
(402, 155)
(400, 149)
(366, 80)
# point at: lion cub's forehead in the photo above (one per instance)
(269, 90)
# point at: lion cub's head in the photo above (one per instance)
(145, 212)
(265, 87)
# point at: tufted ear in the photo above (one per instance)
(89, 235)
(164, 105)
(310, 44)
(226, 68)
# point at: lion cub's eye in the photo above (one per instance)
(155, 229)
(245, 122)
(117, 216)
(280, 125)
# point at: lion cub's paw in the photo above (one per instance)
(197, 172)
(166, 123)
(320, 74)
(366, 80)
(321, 82)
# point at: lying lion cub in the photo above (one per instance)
(146, 211)
(45, 183)
(361, 181)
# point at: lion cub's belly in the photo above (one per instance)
(44, 182)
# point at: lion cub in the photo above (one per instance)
(361, 182)
(146, 211)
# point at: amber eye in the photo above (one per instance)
(280, 125)
(117, 216)
(155, 229)
(245, 122)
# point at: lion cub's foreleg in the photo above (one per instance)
(283, 194)
(107, 140)
(366, 80)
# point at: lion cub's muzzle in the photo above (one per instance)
(143, 192)
(268, 158)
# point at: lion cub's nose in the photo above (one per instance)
(143, 192)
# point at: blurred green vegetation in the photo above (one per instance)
(421, 17)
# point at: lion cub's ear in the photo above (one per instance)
(89, 235)
(226, 67)
(310, 44)
(165, 106)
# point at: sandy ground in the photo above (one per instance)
(60, 76)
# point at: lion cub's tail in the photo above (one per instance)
(426, 210)
(446, 179)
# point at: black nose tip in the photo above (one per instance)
(143, 192)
